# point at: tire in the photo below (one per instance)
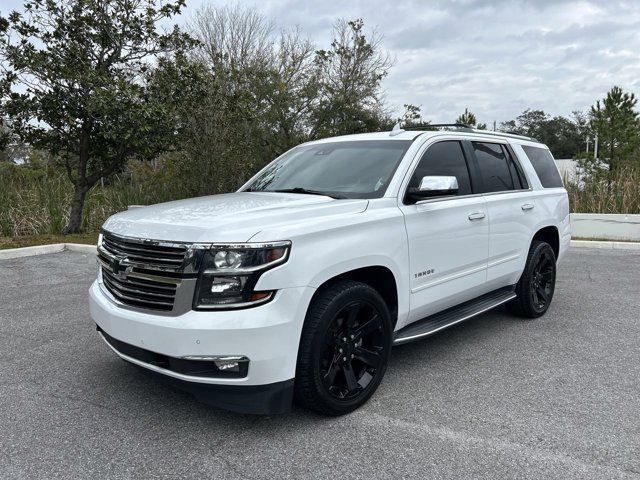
(344, 348)
(537, 284)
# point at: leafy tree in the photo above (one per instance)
(617, 125)
(564, 137)
(351, 73)
(468, 118)
(76, 84)
(412, 115)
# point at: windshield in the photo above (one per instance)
(356, 169)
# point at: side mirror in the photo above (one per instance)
(434, 186)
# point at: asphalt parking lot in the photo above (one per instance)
(496, 397)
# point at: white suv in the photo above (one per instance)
(301, 282)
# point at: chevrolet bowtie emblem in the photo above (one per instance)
(118, 267)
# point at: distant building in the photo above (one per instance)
(568, 169)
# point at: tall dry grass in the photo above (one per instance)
(615, 192)
(35, 202)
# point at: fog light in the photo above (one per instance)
(228, 365)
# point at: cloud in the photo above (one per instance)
(496, 58)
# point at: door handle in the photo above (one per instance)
(527, 206)
(476, 216)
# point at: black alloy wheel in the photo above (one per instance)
(344, 348)
(354, 348)
(543, 280)
(537, 284)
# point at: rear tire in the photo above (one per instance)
(344, 348)
(537, 284)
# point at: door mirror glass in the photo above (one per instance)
(435, 185)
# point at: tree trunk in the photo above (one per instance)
(80, 182)
(77, 205)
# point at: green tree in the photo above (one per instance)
(468, 118)
(351, 73)
(412, 115)
(564, 136)
(616, 122)
(76, 84)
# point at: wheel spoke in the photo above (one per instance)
(544, 261)
(350, 376)
(354, 310)
(368, 327)
(547, 276)
(369, 357)
(542, 292)
(330, 377)
(534, 296)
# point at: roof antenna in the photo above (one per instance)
(397, 130)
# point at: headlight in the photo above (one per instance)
(229, 274)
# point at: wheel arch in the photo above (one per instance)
(379, 277)
(551, 235)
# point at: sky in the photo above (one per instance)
(496, 57)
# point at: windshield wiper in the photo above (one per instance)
(309, 192)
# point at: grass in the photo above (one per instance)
(47, 239)
(616, 192)
(34, 202)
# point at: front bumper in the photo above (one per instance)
(268, 335)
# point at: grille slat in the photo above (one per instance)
(136, 301)
(127, 289)
(154, 287)
(161, 255)
(145, 258)
(156, 249)
(142, 292)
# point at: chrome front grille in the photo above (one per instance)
(148, 252)
(138, 292)
(141, 274)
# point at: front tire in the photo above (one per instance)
(344, 348)
(537, 284)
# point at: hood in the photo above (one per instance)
(231, 217)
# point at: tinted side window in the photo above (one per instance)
(544, 166)
(493, 166)
(444, 158)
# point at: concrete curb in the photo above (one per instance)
(45, 249)
(609, 245)
(82, 248)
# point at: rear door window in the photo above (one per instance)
(494, 167)
(544, 165)
(517, 175)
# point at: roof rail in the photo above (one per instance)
(506, 134)
(423, 126)
(463, 127)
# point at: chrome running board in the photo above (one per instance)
(452, 316)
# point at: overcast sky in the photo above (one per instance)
(495, 57)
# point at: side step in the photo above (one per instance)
(439, 321)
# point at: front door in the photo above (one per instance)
(448, 236)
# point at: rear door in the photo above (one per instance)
(511, 210)
(448, 236)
